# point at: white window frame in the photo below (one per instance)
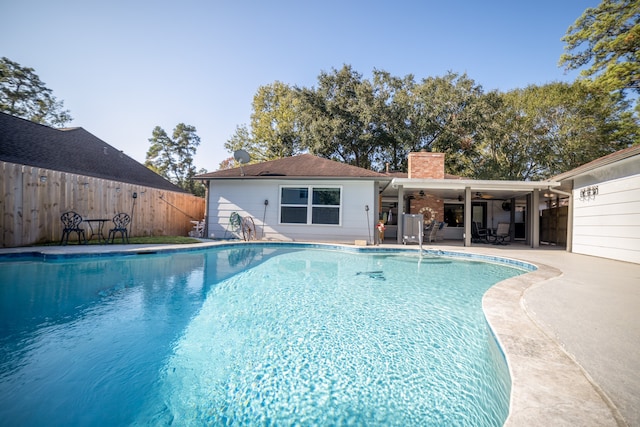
(310, 205)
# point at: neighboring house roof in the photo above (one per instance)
(72, 150)
(598, 163)
(305, 166)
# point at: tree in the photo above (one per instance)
(336, 119)
(172, 157)
(541, 131)
(23, 94)
(448, 112)
(397, 132)
(274, 131)
(274, 121)
(242, 140)
(607, 40)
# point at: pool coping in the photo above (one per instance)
(547, 385)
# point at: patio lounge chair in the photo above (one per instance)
(440, 232)
(71, 224)
(120, 222)
(479, 235)
(502, 232)
(433, 232)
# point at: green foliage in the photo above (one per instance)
(23, 94)
(449, 115)
(172, 157)
(525, 134)
(274, 126)
(542, 131)
(606, 40)
(274, 121)
(337, 118)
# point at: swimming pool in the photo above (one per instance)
(250, 334)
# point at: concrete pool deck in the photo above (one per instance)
(570, 332)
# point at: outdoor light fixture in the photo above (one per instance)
(589, 193)
(43, 178)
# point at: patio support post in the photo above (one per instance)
(512, 220)
(400, 212)
(535, 216)
(467, 216)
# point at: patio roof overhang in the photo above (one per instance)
(454, 188)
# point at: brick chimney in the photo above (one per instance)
(426, 165)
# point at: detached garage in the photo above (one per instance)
(606, 206)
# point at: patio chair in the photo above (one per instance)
(433, 232)
(427, 227)
(479, 235)
(502, 232)
(71, 224)
(120, 222)
(440, 232)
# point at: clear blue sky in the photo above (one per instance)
(124, 67)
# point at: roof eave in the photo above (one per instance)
(461, 184)
(612, 158)
(297, 178)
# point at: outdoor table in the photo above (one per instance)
(96, 226)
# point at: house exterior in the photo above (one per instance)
(604, 219)
(299, 198)
(307, 198)
(46, 171)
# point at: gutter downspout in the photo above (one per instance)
(569, 217)
(467, 216)
(205, 232)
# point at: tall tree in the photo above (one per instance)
(397, 130)
(243, 140)
(336, 117)
(172, 157)
(23, 94)
(606, 39)
(274, 121)
(448, 113)
(541, 131)
(274, 131)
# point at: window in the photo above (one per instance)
(323, 207)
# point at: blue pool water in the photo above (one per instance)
(250, 335)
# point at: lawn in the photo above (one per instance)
(146, 240)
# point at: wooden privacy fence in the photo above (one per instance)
(553, 225)
(32, 200)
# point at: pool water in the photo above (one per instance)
(266, 335)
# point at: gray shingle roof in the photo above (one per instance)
(302, 166)
(72, 150)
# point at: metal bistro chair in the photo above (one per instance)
(479, 235)
(71, 224)
(120, 221)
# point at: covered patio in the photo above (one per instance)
(459, 202)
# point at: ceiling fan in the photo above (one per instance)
(481, 196)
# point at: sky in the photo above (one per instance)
(123, 67)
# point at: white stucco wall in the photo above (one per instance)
(608, 224)
(247, 197)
